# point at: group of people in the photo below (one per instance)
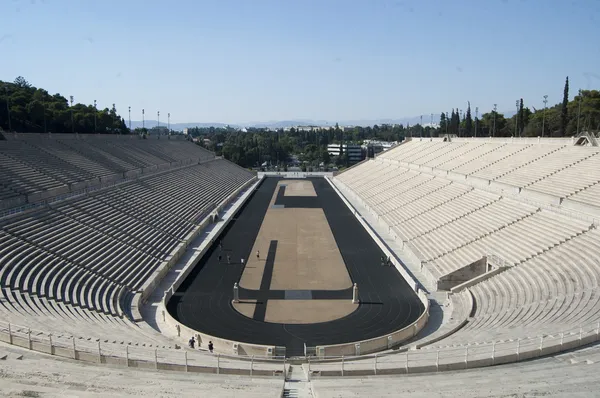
(192, 344)
(386, 261)
(220, 257)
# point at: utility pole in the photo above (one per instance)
(494, 128)
(544, 115)
(95, 115)
(8, 107)
(72, 124)
(517, 119)
(430, 125)
(476, 119)
(579, 112)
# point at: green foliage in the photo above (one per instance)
(468, 121)
(564, 109)
(34, 110)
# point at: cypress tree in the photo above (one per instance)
(564, 111)
(468, 121)
(521, 118)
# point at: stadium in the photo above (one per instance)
(440, 262)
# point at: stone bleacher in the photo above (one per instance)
(551, 283)
(67, 266)
(39, 166)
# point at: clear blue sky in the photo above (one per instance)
(259, 60)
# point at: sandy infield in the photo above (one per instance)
(307, 258)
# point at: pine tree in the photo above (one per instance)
(521, 118)
(563, 111)
(468, 121)
(452, 121)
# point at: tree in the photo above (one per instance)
(22, 83)
(564, 110)
(34, 110)
(443, 123)
(468, 121)
(520, 118)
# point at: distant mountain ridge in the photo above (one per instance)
(277, 124)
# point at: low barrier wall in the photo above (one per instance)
(376, 344)
(458, 326)
(466, 357)
(137, 357)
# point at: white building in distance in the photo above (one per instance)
(353, 151)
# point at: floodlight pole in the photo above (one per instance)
(95, 116)
(421, 128)
(130, 119)
(544, 115)
(517, 119)
(158, 118)
(143, 121)
(431, 125)
(169, 122)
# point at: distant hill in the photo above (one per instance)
(277, 124)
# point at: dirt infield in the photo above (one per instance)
(307, 311)
(299, 188)
(307, 258)
(307, 255)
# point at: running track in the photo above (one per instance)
(203, 301)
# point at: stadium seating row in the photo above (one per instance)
(32, 163)
(68, 268)
(551, 282)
